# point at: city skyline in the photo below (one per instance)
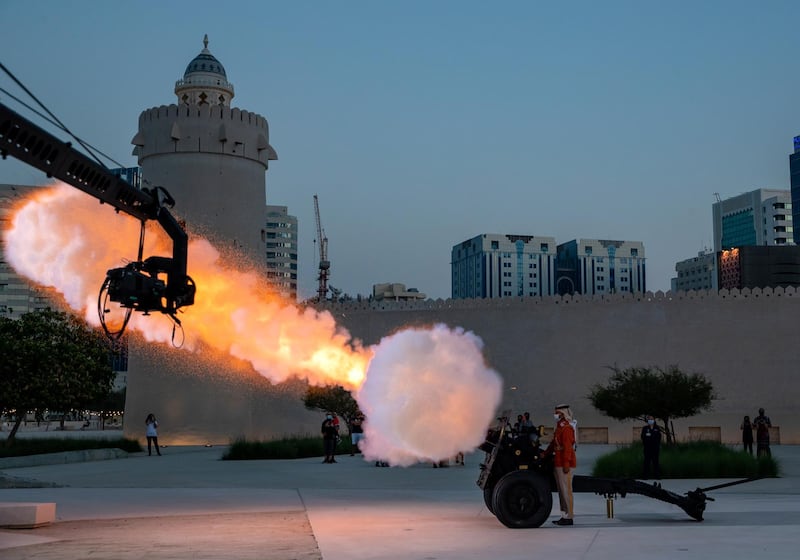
(421, 125)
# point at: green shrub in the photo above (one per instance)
(700, 459)
(295, 447)
(25, 446)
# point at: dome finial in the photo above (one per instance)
(205, 41)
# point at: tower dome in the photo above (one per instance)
(205, 81)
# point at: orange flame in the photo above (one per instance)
(60, 238)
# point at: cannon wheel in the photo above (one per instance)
(522, 499)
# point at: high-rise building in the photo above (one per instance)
(794, 181)
(17, 295)
(753, 266)
(697, 273)
(494, 265)
(759, 217)
(281, 237)
(598, 266)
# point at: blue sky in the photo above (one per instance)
(422, 124)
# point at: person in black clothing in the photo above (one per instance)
(356, 433)
(329, 433)
(747, 434)
(762, 424)
(651, 440)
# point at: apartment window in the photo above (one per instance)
(544, 247)
(495, 245)
(588, 250)
(634, 252)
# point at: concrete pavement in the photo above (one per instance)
(190, 504)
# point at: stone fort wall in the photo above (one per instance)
(553, 349)
(548, 351)
(204, 129)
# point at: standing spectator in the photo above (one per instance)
(563, 449)
(151, 431)
(747, 434)
(527, 423)
(651, 440)
(762, 424)
(356, 432)
(518, 425)
(329, 434)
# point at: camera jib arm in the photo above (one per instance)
(140, 285)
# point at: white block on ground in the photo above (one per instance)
(26, 515)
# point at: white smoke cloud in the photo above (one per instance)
(428, 394)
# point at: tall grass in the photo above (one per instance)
(297, 447)
(699, 459)
(24, 446)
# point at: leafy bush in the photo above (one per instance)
(700, 459)
(297, 447)
(23, 446)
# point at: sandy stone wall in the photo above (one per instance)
(548, 351)
(554, 349)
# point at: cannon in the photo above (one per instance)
(518, 483)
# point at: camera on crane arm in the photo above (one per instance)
(155, 283)
(138, 286)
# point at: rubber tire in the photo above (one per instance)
(488, 496)
(522, 500)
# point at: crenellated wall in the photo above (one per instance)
(548, 351)
(203, 129)
(553, 349)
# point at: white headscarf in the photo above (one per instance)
(566, 411)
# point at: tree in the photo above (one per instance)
(51, 361)
(669, 393)
(332, 398)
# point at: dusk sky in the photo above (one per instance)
(423, 124)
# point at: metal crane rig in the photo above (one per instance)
(152, 284)
(324, 263)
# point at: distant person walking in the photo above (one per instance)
(151, 431)
(651, 441)
(762, 424)
(747, 434)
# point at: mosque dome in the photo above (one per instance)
(205, 62)
(205, 81)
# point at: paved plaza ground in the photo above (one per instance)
(188, 504)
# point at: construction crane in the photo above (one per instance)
(324, 263)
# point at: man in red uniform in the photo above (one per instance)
(563, 449)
